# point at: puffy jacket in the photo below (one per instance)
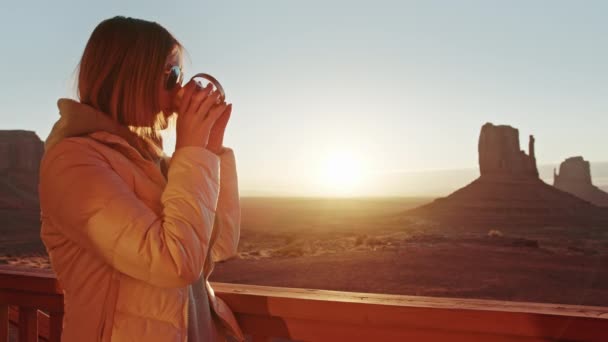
(133, 246)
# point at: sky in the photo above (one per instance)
(333, 98)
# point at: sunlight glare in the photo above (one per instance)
(341, 172)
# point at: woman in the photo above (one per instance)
(131, 233)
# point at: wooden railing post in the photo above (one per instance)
(55, 326)
(28, 324)
(3, 323)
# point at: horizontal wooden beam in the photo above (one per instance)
(38, 281)
(43, 301)
(288, 312)
(412, 301)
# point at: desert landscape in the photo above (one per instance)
(363, 245)
(354, 245)
(507, 235)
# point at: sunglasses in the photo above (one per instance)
(173, 77)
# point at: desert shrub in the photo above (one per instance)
(495, 233)
(523, 242)
(290, 239)
(427, 238)
(289, 251)
(360, 240)
(576, 249)
(582, 250)
(373, 242)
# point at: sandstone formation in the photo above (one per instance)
(575, 177)
(500, 156)
(20, 155)
(509, 191)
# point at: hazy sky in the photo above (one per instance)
(375, 86)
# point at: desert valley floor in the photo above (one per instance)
(368, 245)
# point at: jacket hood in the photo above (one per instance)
(80, 119)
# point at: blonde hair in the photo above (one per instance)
(120, 72)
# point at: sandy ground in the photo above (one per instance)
(366, 245)
(430, 266)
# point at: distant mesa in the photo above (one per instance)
(500, 156)
(509, 191)
(20, 155)
(575, 177)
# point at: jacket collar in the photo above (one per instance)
(80, 119)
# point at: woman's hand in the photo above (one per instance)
(197, 114)
(216, 137)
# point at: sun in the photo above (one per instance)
(341, 172)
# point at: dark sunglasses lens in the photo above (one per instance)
(173, 78)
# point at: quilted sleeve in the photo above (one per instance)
(228, 222)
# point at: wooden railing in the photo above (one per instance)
(23, 294)
(318, 315)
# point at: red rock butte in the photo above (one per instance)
(509, 191)
(575, 177)
(20, 156)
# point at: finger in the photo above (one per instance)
(208, 103)
(199, 96)
(192, 102)
(187, 97)
(216, 111)
(224, 117)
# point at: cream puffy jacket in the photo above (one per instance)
(132, 246)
